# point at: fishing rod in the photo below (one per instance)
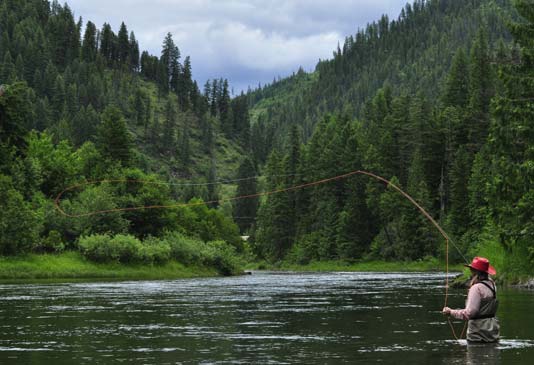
(267, 193)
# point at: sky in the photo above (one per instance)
(247, 42)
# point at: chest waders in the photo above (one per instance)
(484, 326)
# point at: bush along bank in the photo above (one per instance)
(127, 249)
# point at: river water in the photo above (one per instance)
(263, 318)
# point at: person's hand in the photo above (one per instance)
(446, 311)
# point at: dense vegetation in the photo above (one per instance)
(443, 101)
(440, 101)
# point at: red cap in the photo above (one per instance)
(482, 264)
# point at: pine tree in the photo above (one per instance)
(169, 127)
(107, 44)
(273, 239)
(123, 45)
(185, 86)
(245, 209)
(213, 191)
(224, 109)
(134, 53)
(169, 60)
(114, 141)
(481, 91)
(457, 83)
(458, 216)
(185, 146)
(89, 46)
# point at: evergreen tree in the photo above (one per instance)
(107, 44)
(123, 45)
(459, 196)
(185, 86)
(224, 109)
(457, 82)
(213, 191)
(169, 127)
(273, 239)
(89, 46)
(481, 91)
(245, 209)
(113, 140)
(134, 53)
(185, 146)
(169, 60)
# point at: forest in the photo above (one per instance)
(440, 101)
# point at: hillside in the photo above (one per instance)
(411, 54)
(79, 103)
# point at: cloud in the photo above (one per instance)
(246, 41)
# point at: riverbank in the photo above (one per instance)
(370, 266)
(72, 265)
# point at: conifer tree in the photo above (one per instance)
(113, 140)
(457, 83)
(169, 60)
(123, 45)
(134, 53)
(89, 46)
(481, 91)
(245, 209)
(169, 127)
(107, 44)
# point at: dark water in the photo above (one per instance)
(263, 318)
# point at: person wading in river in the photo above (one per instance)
(481, 305)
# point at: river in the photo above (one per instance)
(263, 318)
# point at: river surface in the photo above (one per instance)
(263, 318)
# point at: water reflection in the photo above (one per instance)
(483, 354)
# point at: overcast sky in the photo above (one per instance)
(246, 41)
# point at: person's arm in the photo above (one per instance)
(471, 308)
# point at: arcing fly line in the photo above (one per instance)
(267, 193)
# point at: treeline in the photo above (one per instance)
(464, 156)
(75, 108)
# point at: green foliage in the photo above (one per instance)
(19, 224)
(53, 243)
(120, 248)
(221, 256)
(184, 249)
(114, 140)
(127, 249)
(245, 209)
(56, 164)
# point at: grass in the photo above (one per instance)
(71, 265)
(372, 266)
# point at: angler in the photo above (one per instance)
(481, 305)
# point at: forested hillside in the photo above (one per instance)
(82, 103)
(412, 54)
(440, 102)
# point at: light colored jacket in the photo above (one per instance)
(480, 310)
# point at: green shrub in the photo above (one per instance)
(52, 243)
(104, 248)
(128, 248)
(19, 223)
(155, 251)
(97, 248)
(184, 249)
(222, 256)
